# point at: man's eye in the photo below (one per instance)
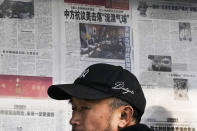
(85, 108)
(73, 108)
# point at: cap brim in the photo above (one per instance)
(66, 91)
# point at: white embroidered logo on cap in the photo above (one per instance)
(120, 86)
(84, 73)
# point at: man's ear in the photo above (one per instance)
(126, 116)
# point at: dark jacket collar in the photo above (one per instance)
(137, 127)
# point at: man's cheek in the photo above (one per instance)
(95, 122)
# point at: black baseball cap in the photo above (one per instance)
(100, 81)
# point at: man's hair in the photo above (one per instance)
(116, 102)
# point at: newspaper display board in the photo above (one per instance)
(52, 41)
(165, 61)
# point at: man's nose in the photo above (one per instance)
(75, 119)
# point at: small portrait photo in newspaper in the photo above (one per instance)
(180, 89)
(160, 63)
(142, 8)
(185, 31)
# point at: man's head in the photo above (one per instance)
(104, 98)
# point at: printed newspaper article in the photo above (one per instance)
(165, 45)
(33, 115)
(26, 67)
(95, 34)
(26, 37)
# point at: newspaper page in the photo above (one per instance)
(94, 32)
(32, 115)
(25, 105)
(165, 61)
(26, 67)
(26, 37)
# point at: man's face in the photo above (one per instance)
(94, 115)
